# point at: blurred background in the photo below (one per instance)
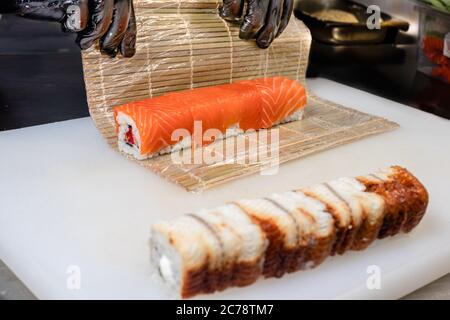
(41, 73)
(389, 69)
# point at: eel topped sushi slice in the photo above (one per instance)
(209, 250)
(235, 244)
(146, 128)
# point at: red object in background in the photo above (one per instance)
(433, 48)
(442, 72)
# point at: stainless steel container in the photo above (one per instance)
(343, 32)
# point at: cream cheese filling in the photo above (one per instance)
(165, 268)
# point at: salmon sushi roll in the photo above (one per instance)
(146, 128)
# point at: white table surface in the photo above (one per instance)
(67, 199)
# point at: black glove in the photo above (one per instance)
(110, 21)
(264, 19)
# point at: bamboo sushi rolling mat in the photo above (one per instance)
(185, 44)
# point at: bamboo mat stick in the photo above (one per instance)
(204, 75)
(185, 63)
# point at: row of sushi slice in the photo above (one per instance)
(235, 244)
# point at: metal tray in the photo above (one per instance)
(347, 33)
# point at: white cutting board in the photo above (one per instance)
(67, 199)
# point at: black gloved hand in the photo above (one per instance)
(264, 20)
(110, 21)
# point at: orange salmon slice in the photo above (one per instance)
(249, 104)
